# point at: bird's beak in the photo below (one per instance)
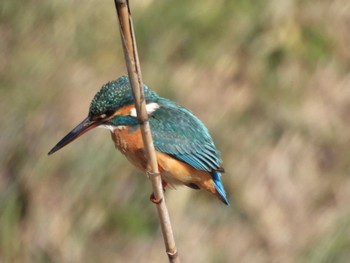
(81, 128)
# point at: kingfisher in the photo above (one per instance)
(185, 151)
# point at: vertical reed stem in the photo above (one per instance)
(134, 72)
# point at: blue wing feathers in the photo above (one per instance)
(192, 160)
(177, 132)
(206, 160)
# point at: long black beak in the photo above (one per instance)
(81, 128)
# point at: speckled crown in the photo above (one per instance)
(114, 95)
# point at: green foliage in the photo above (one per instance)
(333, 247)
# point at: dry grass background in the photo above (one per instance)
(271, 81)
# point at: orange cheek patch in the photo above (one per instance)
(124, 110)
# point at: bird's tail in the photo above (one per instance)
(219, 187)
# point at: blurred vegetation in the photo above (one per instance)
(271, 81)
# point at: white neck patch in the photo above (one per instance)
(108, 127)
(150, 107)
(112, 128)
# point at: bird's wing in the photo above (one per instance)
(177, 132)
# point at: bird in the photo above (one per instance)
(185, 151)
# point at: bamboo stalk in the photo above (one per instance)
(134, 72)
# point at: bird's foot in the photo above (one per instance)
(155, 200)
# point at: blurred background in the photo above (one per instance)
(270, 79)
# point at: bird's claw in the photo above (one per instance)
(155, 200)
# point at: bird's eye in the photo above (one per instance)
(109, 113)
(106, 114)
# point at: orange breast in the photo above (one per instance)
(173, 171)
(129, 142)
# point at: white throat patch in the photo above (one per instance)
(150, 107)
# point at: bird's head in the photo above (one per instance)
(111, 107)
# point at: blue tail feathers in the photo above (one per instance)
(219, 187)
